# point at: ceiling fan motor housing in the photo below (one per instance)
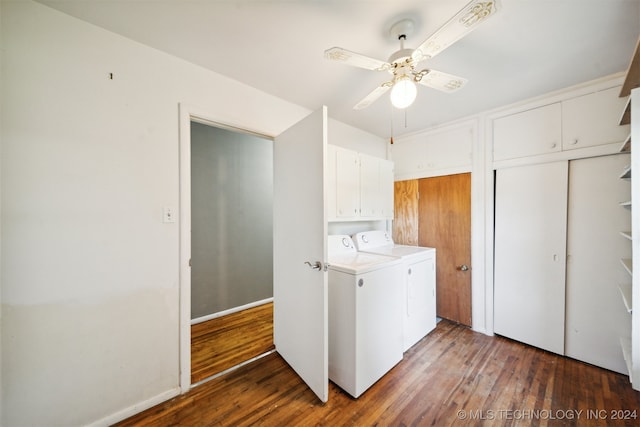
(402, 55)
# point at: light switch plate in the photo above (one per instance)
(168, 214)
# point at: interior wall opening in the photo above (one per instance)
(231, 248)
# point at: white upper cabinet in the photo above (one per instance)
(529, 133)
(360, 186)
(593, 120)
(427, 153)
(347, 184)
(580, 122)
(376, 187)
(370, 197)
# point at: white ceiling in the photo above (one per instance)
(528, 48)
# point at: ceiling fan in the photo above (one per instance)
(402, 63)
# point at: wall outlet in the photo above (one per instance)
(168, 214)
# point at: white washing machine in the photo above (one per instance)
(419, 278)
(365, 320)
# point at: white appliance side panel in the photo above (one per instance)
(530, 248)
(596, 316)
(342, 330)
(419, 305)
(378, 325)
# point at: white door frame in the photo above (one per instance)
(188, 114)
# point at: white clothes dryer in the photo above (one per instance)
(365, 320)
(419, 279)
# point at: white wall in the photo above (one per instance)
(347, 136)
(89, 271)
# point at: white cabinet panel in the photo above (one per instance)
(386, 188)
(370, 197)
(359, 187)
(529, 133)
(595, 314)
(530, 248)
(447, 149)
(592, 119)
(347, 184)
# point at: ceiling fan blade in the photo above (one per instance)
(373, 96)
(442, 81)
(356, 59)
(461, 24)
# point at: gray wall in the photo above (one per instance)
(231, 218)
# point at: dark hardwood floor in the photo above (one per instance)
(224, 342)
(454, 376)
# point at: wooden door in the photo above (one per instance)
(300, 292)
(444, 223)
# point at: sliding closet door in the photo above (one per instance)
(530, 248)
(596, 316)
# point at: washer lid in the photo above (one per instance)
(360, 262)
(340, 244)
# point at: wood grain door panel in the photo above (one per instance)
(405, 224)
(445, 224)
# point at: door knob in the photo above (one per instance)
(462, 267)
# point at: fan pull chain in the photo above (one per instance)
(391, 123)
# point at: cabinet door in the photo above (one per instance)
(370, 197)
(528, 133)
(592, 119)
(347, 184)
(386, 189)
(530, 248)
(447, 149)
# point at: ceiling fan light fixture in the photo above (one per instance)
(403, 93)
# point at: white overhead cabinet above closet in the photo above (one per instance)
(580, 122)
(529, 133)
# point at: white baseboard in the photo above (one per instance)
(230, 311)
(139, 407)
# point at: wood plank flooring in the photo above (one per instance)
(454, 376)
(224, 342)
